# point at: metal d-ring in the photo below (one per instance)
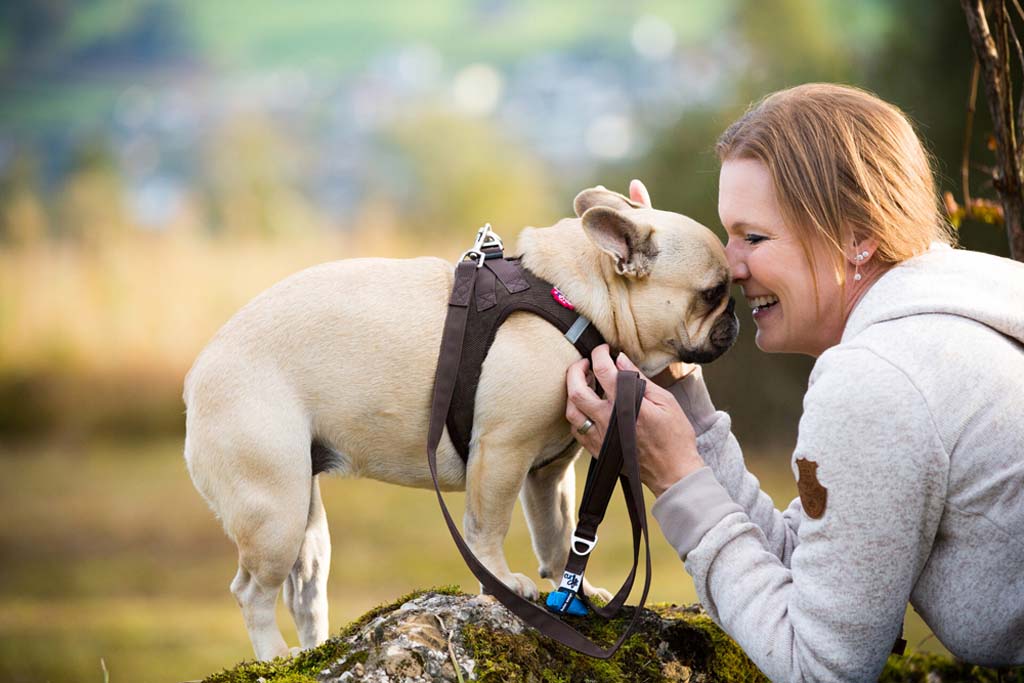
(588, 545)
(485, 237)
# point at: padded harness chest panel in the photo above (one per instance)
(503, 286)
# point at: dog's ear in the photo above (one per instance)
(600, 196)
(626, 241)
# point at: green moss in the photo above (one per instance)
(295, 678)
(700, 650)
(919, 667)
(302, 668)
(713, 650)
(529, 656)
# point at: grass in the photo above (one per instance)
(108, 552)
(98, 339)
(144, 300)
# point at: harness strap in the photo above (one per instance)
(619, 449)
(519, 290)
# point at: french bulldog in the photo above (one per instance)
(331, 370)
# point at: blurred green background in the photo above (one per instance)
(162, 162)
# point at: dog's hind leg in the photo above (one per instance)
(269, 529)
(549, 504)
(252, 464)
(305, 590)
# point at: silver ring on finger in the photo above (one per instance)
(585, 427)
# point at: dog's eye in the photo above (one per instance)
(715, 294)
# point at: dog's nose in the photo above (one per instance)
(732, 305)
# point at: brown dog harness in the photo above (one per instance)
(464, 345)
(502, 287)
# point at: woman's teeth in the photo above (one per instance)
(759, 303)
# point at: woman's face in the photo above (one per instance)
(768, 263)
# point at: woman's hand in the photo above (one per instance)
(666, 444)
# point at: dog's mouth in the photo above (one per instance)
(723, 335)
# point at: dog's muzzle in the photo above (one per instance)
(723, 335)
(726, 328)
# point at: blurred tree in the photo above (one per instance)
(788, 42)
(28, 31)
(250, 177)
(461, 173)
(931, 82)
(23, 218)
(154, 34)
(91, 208)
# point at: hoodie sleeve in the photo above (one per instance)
(721, 451)
(872, 480)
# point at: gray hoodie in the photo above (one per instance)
(910, 468)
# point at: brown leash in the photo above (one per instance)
(617, 461)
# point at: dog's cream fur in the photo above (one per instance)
(343, 354)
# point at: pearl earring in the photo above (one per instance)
(859, 258)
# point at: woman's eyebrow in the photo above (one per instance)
(742, 226)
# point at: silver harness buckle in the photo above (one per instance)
(485, 237)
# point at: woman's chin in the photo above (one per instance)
(766, 343)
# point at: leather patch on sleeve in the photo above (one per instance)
(813, 496)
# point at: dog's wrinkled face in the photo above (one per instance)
(673, 280)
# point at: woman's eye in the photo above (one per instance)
(754, 239)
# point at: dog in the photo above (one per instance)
(332, 369)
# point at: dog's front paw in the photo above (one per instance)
(593, 592)
(522, 585)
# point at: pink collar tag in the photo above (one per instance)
(557, 295)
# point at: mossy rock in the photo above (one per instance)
(445, 635)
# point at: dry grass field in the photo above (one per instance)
(108, 552)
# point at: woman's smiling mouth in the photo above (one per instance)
(761, 304)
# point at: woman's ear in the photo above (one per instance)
(860, 251)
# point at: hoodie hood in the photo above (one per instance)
(982, 287)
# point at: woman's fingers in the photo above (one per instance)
(583, 405)
(605, 370)
(666, 444)
(622, 362)
(578, 388)
(652, 391)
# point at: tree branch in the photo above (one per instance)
(992, 50)
(1019, 122)
(965, 165)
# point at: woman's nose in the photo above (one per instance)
(737, 263)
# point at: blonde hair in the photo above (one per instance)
(846, 166)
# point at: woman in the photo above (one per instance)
(910, 453)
